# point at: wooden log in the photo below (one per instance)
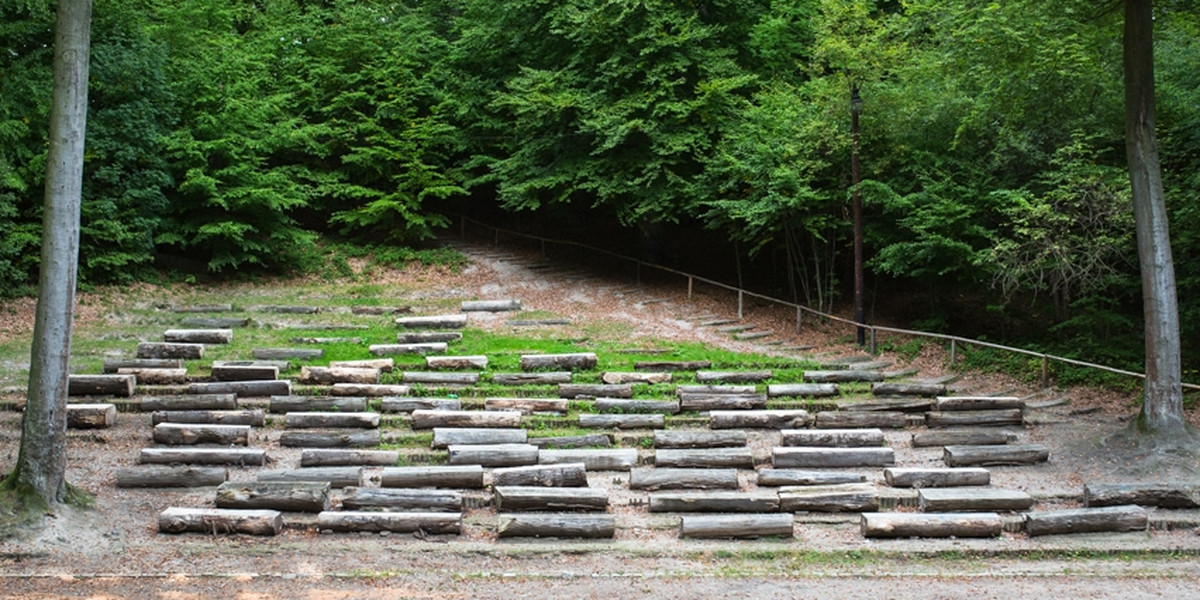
(339, 457)
(493, 455)
(384, 365)
(204, 456)
(967, 437)
(332, 375)
(326, 340)
(397, 404)
(904, 525)
(671, 365)
(594, 440)
(338, 477)
(395, 522)
(652, 421)
(490, 305)
(908, 389)
(796, 477)
(436, 378)
(155, 376)
(602, 390)
(293, 404)
(429, 337)
(279, 387)
(561, 475)
(433, 322)
(807, 458)
(982, 456)
(300, 496)
(631, 377)
(690, 438)
(757, 419)
(156, 476)
(252, 417)
(213, 521)
(627, 405)
(317, 420)
(733, 376)
(399, 499)
(960, 499)
(1125, 517)
(690, 402)
(709, 389)
(181, 434)
(832, 438)
(975, 418)
(841, 419)
(379, 310)
(291, 310)
(188, 402)
(428, 419)
(1162, 495)
(203, 308)
(288, 353)
(405, 349)
(904, 405)
(704, 457)
(928, 478)
(113, 365)
(714, 501)
(556, 526)
(842, 376)
(517, 498)
(950, 403)
(214, 322)
(170, 350)
(538, 378)
(281, 365)
(604, 459)
(444, 437)
(736, 526)
(101, 385)
(658, 478)
(198, 336)
(244, 373)
(571, 362)
(479, 362)
(370, 390)
(805, 390)
(361, 438)
(842, 497)
(91, 416)
(462, 476)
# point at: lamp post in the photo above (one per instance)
(855, 176)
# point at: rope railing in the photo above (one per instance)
(801, 309)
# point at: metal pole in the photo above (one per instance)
(856, 176)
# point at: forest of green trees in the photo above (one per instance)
(235, 136)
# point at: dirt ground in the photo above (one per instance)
(114, 551)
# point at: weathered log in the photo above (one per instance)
(737, 390)
(833, 438)
(516, 498)
(807, 390)
(561, 475)
(736, 526)
(846, 376)
(631, 377)
(203, 308)
(155, 376)
(317, 420)
(689, 438)
(395, 522)
(490, 305)
(795, 477)
(244, 373)
(659, 478)
(715, 501)
(462, 476)
(842, 497)
(948, 403)
(960, 499)
(538, 378)
(733, 376)
(215, 521)
(843, 419)
(433, 322)
(1125, 517)
(903, 525)
(930, 478)
(494, 455)
(188, 402)
(757, 419)
(101, 385)
(290, 310)
(904, 405)
(326, 340)
(692, 402)
(527, 406)
(155, 476)
(282, 365)
(444, 437)
(614, 459)
(379, 310)
(652, 421)
(338, 477)
(436, 378)
(384, 365)
(181, 434)
(428, 419)
(290, 404)
(975, 418)
(339, 457)
(406, 404)
(807, 458)
(1010, 454)
(331, 375)
(626, 405)
(399, 499)
(575, 361)
(704, 457)
(966, 437)
(557, 526)
(456, 362)
(429, 337)
(214, 322)
(299, 496)
(600, 390)
(671, 365)
(288, 353)
(198, 336)
(169, 350)
(361, 438)
(113, 365)
(908, 389)
(594, 440)
(252, 417)
(279, 387)
(361, 389)
(403, 349)
(91, 416)
(1162, 495)
(204, 456)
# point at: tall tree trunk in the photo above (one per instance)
(1162, 407)
(42, 461)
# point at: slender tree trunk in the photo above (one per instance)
(1162, 407)
(42, 462)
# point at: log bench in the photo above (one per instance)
(570, 361)
(319, 420)
(518, 498)
(439, 378)
(715, 501)
(783, 457)
(296, 404)
(433, 322)
(339, 457)
(338, 477)
(279, 387)
(253, 417)
(170, 350)
(603, 459)
(368, 389)
(556, 526)
(91, 416)
(406, 404)
(966, 437)
(686, 438)
(1162, 495)
(403, 349)
(332, 375)
(974, 499)
(832, 438)
(359, 438)
(632, 421)
(204, 456)
(736, 526)
(429, 337)
(798, 477)
(1126, 517)
(661, 478)
(802, 390)
(927, 478)
(213, 521)
(601, 390)
(450, 363)
(535, 378)
(300, 496)
(528, 406)
(841, 497)
(444, 437)
(627, 405)
(462, 476)
(740, 457)
(395, 522)
(168, 476)
(493, 455)
(560, 475)
(846, 419)
(402, 499)
(288, 353)
(758, 419)
(428, 419)
(178, 434)
(199, 336)
(982, 456)
(939, 525)
(101, 385)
